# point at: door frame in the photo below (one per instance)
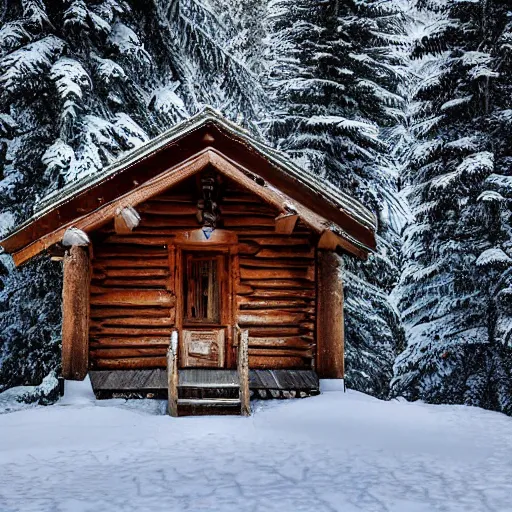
(220, 241)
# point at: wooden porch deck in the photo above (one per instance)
(263, 384)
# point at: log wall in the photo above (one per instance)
(132, 289)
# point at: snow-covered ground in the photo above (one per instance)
(346, 452)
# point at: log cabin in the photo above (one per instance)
(201, 265)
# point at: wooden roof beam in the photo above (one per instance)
(330, 241)
(285, 223)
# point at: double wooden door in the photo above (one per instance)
(206, 309)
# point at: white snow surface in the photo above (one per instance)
(335, 452)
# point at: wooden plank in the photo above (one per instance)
(75, 314)
(267, 379)
(134, 298)
(172, 375)
(330, 325)
(208, 377)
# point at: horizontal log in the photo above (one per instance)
(242, 289)
(118, 353)
(277, 273)
(136, 239)
(274, 263)
(269, 317)
(135, 261)
(307, 326)
(104, 251)
(250, 221)
(110, 332)
(248, 248)
(299, 342)
(173, 197)
(284, 284)
(285, 252)
(102, 285)
(131, 363)
(277, 240)
(229, 197)
(134, 321)
(275, 363)
(265, 331)
(177, 221)
(168, 208)
(98, 273)
(139, 341)
(106, 312)
(250, 302)
(275, 352)
(247, 209)
(134, 298)
(278, 294)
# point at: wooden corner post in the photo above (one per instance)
(330, 363)
(75, 313)
(172, 375)
(243, 373)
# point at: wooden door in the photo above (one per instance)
(205, 309)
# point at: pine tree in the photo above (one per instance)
(332, 85)
(457, 249)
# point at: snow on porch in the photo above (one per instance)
(347, 452)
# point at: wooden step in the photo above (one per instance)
(208, 406)
(208, 401)
(208, 378)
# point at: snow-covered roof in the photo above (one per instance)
(316, 185)
(208, 114)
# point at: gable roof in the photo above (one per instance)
(206, 138)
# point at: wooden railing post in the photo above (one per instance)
(243, 372)
(172, 375)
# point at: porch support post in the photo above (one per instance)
(330, 362)
(75, 313)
